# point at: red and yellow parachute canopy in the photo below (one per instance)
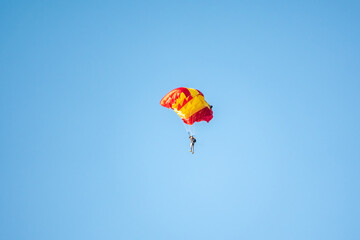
(189, 104)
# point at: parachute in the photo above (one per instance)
(189, 104)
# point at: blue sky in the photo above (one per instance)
(87, 152)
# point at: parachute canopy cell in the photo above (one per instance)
(189, 104)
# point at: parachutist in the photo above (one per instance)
(193, 141)
(190, 105)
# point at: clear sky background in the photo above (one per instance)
(87, 152)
